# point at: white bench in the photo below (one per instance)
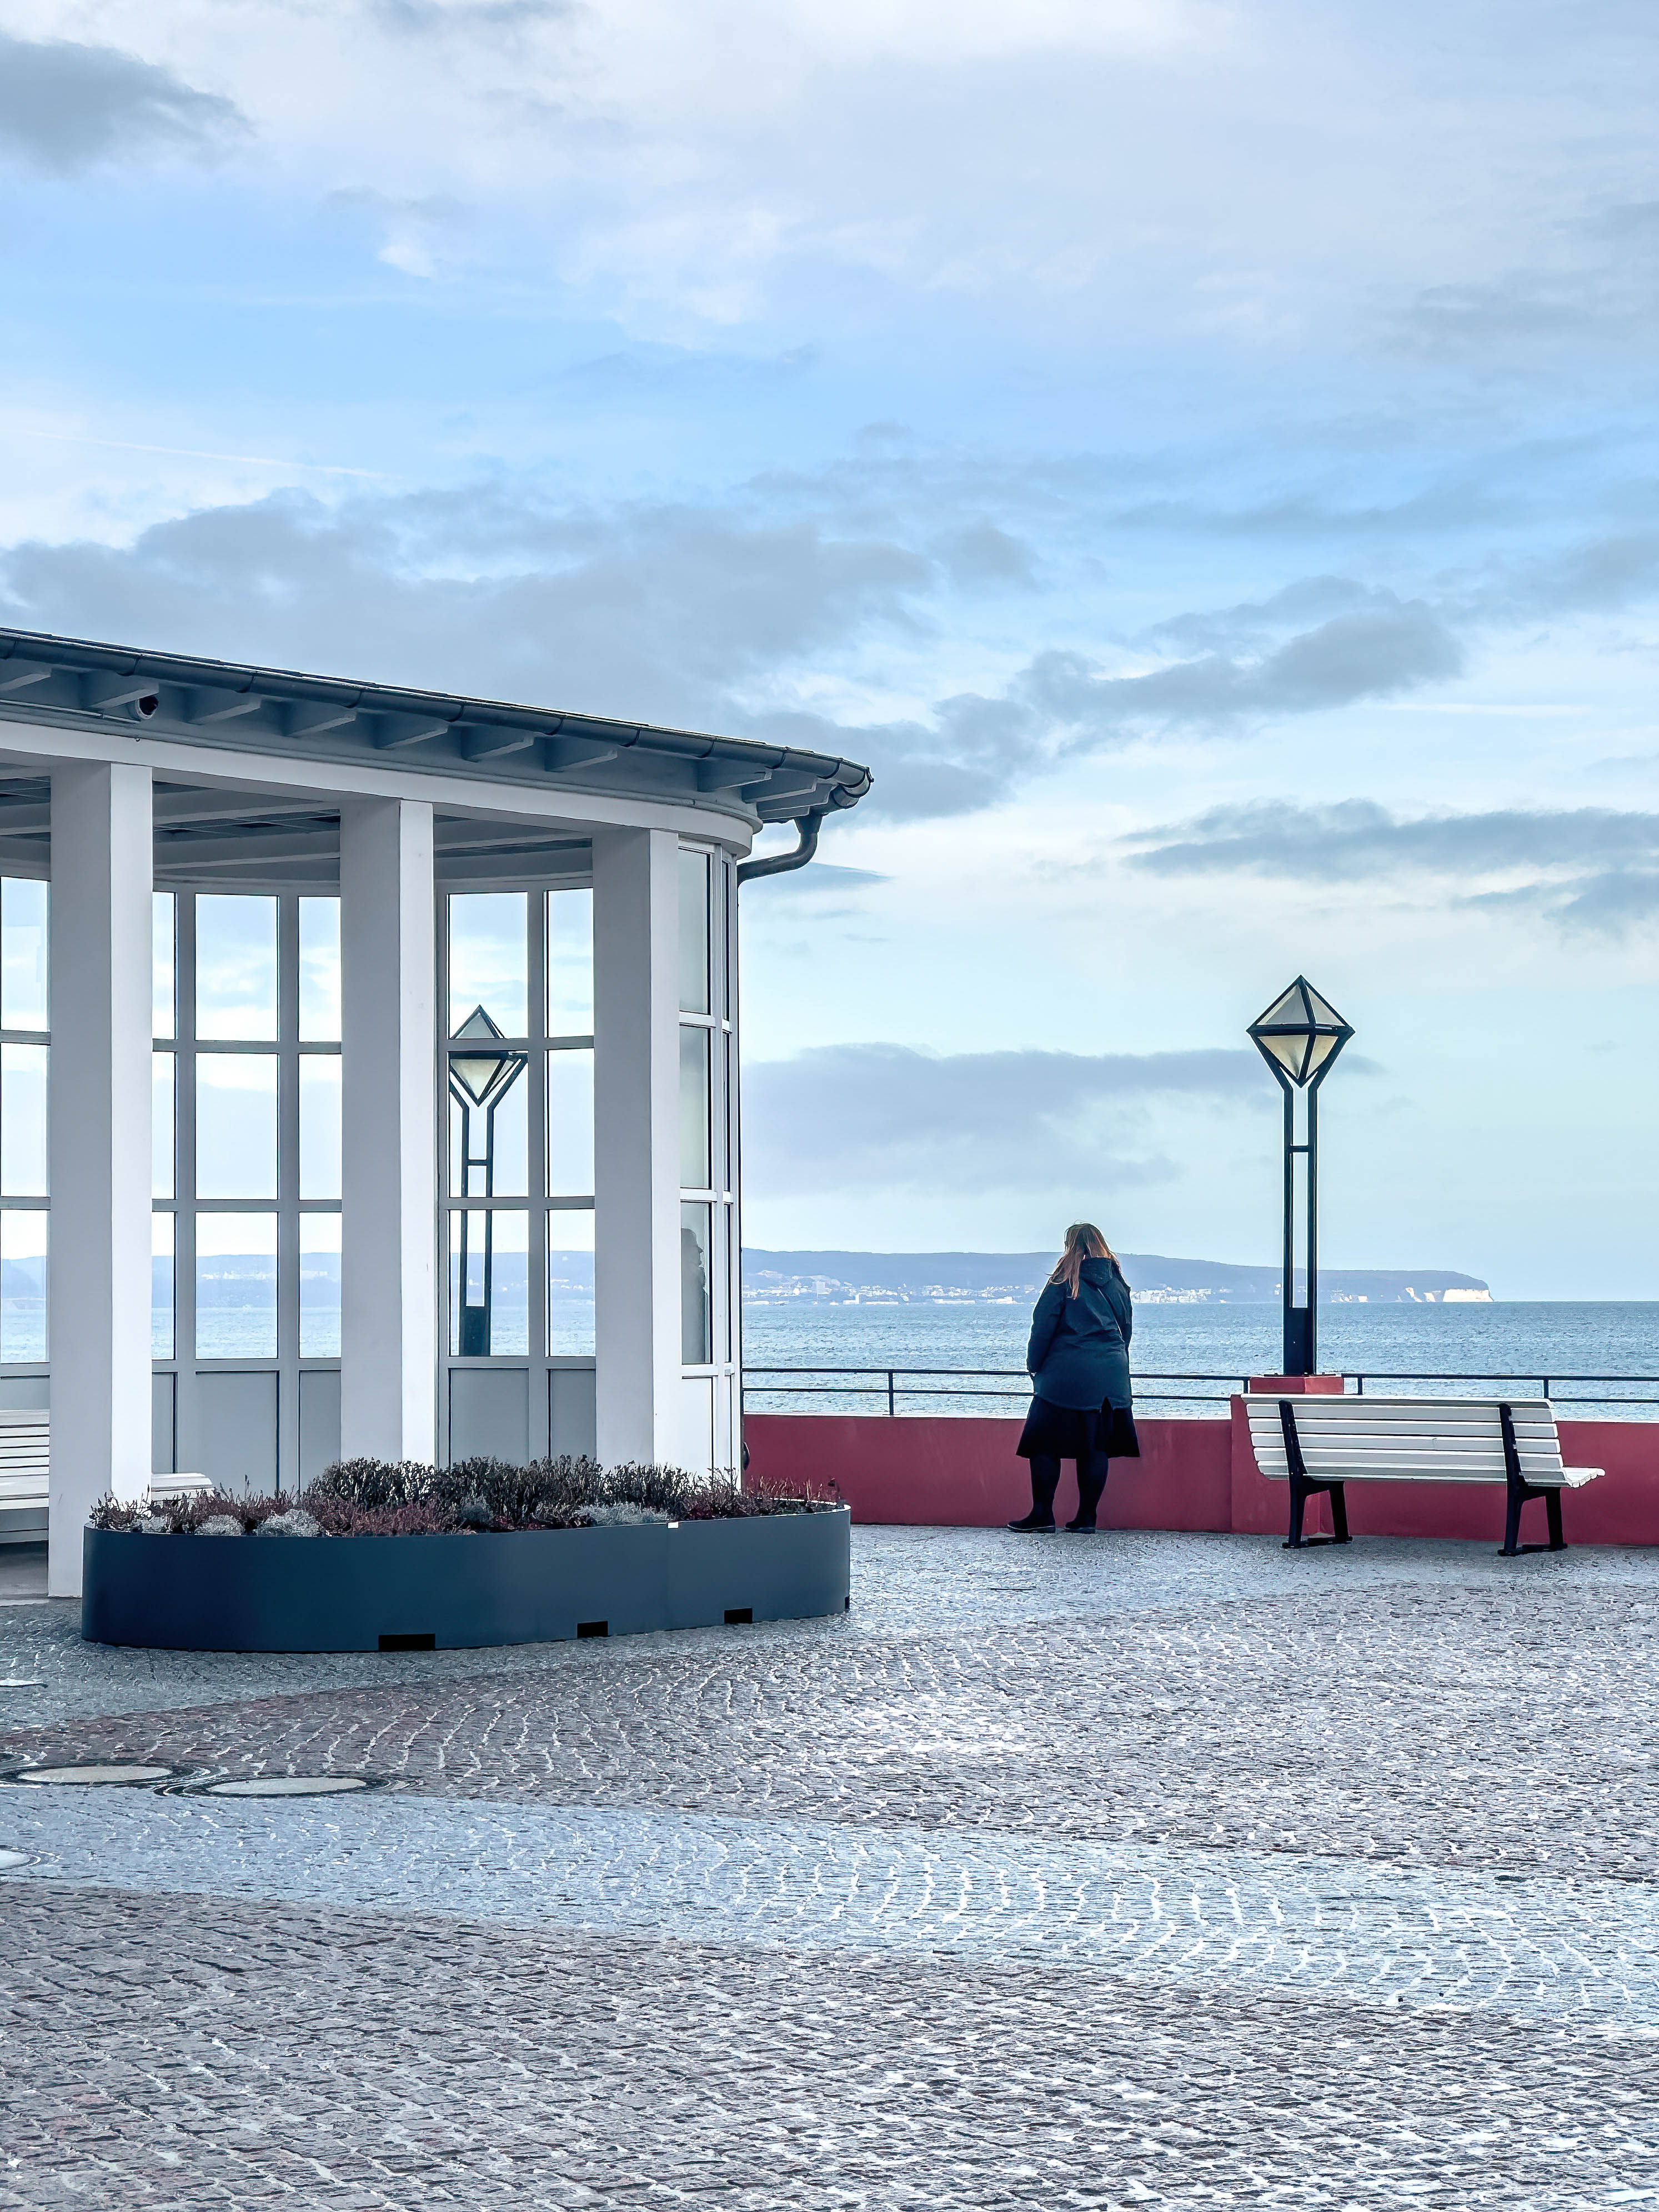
(1319, 1443)
(25, 1475)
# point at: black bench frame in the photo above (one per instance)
(1303, 1487)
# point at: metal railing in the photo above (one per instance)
(970, 1382)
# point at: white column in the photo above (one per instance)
(389, 1212)
(99, 1130)
(636, 1162)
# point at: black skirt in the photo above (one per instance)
(1054, 1431)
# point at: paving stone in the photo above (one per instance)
(1159, 1871)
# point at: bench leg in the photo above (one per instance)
(1338, 1514)
(1552, 1508)
(1512, 1523)
(1299, 1501)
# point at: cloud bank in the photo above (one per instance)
(860, 1118)
(64, 107)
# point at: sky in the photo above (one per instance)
(1202, 457)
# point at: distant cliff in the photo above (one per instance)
(835, 1278)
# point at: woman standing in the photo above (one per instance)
(1078, 1362)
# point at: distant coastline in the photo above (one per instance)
(1002, 1278)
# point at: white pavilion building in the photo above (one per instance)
(367, 1072)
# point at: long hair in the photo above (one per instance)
(1083, 1242)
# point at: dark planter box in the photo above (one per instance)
(447, 1593)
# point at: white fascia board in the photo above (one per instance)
(37, 745)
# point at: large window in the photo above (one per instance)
(246, 1262)
(519, 985)
(706, 1143)
(25, 1054)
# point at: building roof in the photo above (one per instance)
(71, 682)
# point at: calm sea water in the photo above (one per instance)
(1529, 1342)
(1391, 1345)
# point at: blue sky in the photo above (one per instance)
(1202, 457)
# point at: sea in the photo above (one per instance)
(967, 1356)
(1598, 1359)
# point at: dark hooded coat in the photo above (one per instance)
(1078, 1355)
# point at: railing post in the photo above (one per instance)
(892, 1409)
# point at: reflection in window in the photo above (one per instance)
(320, 1286)
(695, 1302)
(570, 1282)
(694, 932)
(489, 1282)
(163, 963)
(570, 1125)
(694, 1108)
(236, 1125)
(24, 1245)
(24, 954)
(319, 1126)
(236, 1286)
(162, 1106)
(236, 967)
(489, 1121)
(319, 970)
(23, 1119)
(162, 1230)
(488, 960)
(570, 963)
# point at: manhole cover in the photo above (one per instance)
(287, 1785)
(94, 1774)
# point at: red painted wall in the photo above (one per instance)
(948, 1474)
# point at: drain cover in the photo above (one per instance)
(286, 1785)
(94, 1774)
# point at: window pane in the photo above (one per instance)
(236, 967)
(163, 939)
(570, 1282)
(489, 959)
(23, 1286)
(694, 932)
(236, 1286)
(694, 1108)
(319, 970)
(23, 954)
(495, 1141)
(488, 1283)
(570, 1124)
(161, 1100)
(729, 1102)
(570, 963)
(23, 1119)
(236, 1125)
(320, 1286)
(162, 1307)
(695, 1304)
(319, 1126)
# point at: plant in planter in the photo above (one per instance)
(380, 1498)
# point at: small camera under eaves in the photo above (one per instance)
(142, 708)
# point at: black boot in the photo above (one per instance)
(1090, 1481)
(1045, 1480)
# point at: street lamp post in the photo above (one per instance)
(1299, 1036)
(479, 1078)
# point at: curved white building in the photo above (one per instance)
(367, 1071)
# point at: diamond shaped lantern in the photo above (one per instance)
(482, 1076)
(1300, 1034)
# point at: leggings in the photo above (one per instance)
(1090, 1481)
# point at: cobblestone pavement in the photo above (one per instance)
(1162, 1870)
